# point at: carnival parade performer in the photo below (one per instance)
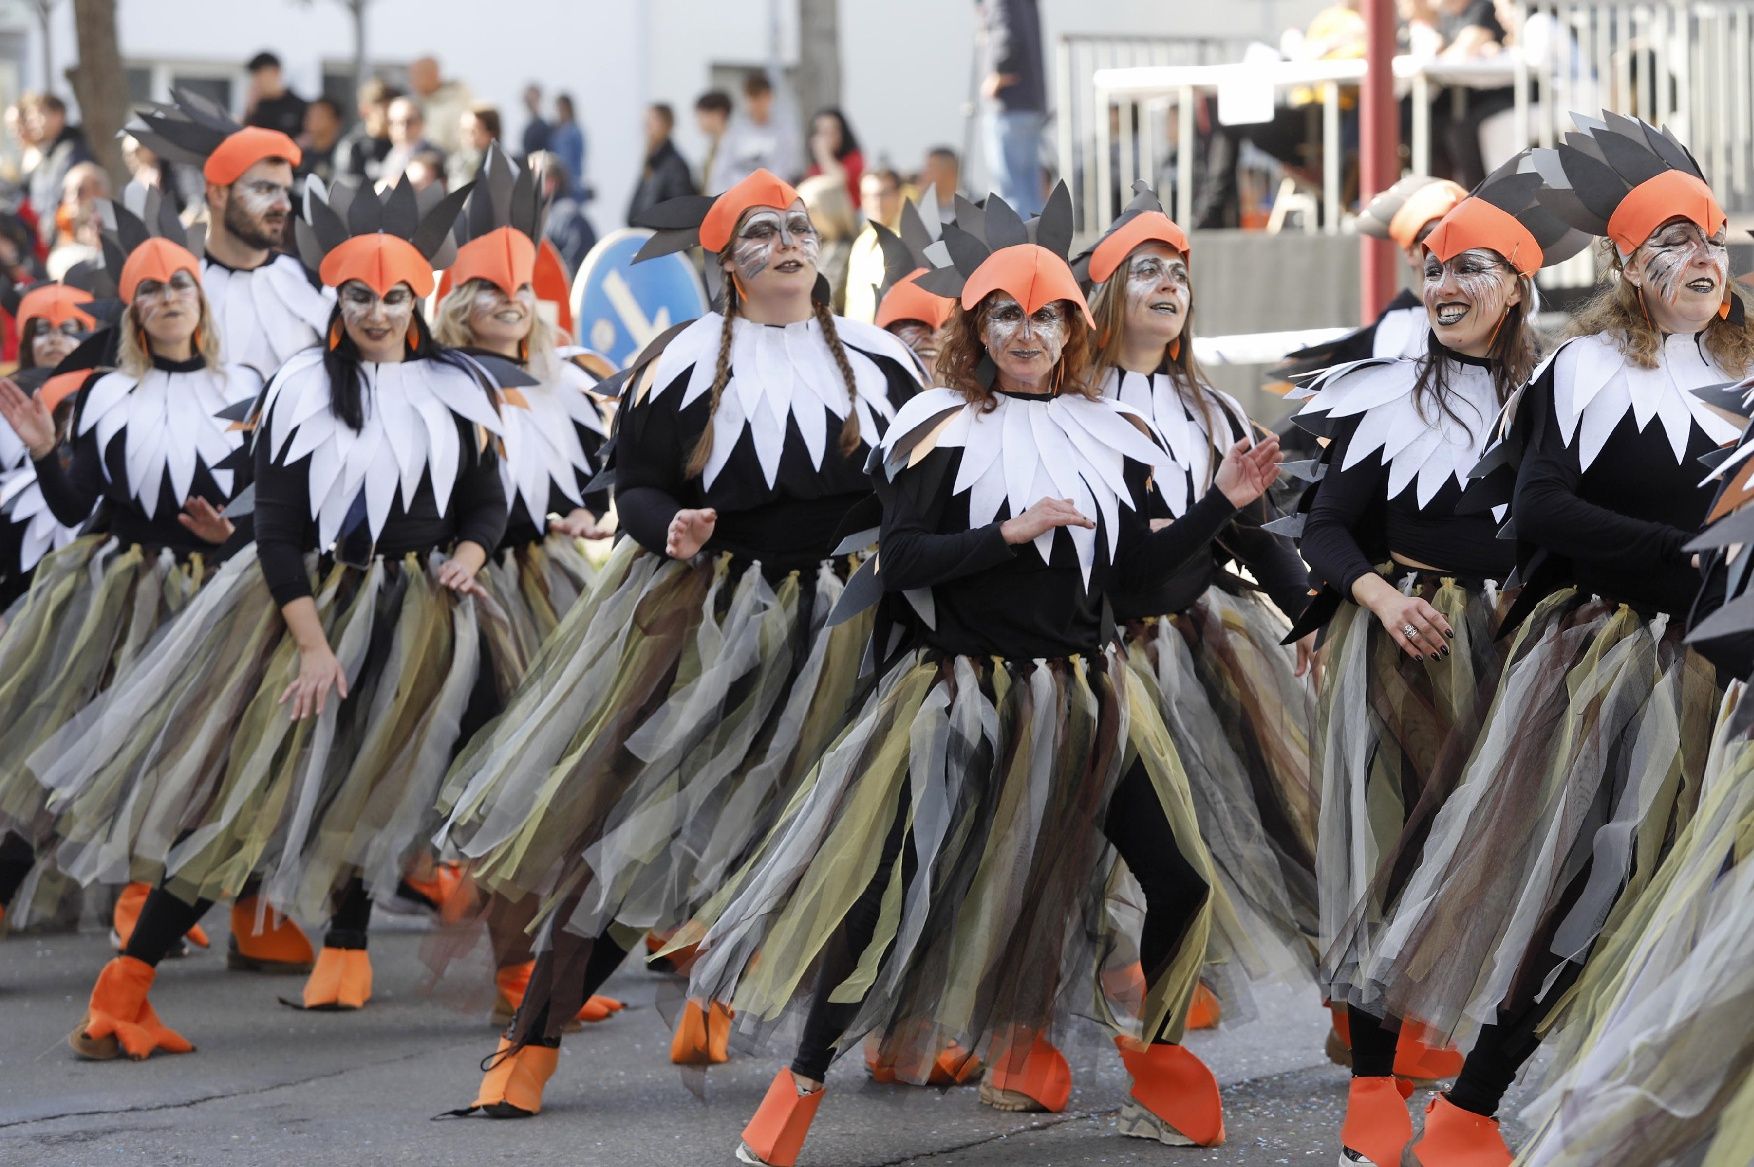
(1590, 762)
(301, 714)
(949, 859)
(145, 440)
(1411, 602)
(669, 717)
(913, 314)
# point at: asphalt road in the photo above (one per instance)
(271, 1085)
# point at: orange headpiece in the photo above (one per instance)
(55, 303)
(155, 259)
(1502, 215)
(504, 257)
(1146, 227)
(196, 131)
(761, 189)
(499, 237)
(992, 250)
(383, 241)
(380, 261)
(1032, 275)
(1402, 211)
(900, 296)
(148, 245)
(242, 150)
(906, 300)
(1622, 178)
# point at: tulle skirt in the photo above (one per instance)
(1002, 771)
(189, 770)
(654, 740)
(537, 584)
(1392, 736)
(1588, 766)
(1240, 720)
(92, 608)
(1655, 1064)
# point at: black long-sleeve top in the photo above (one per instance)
(285, 531)
(993, 599)
(1616, 529)
(73, 487)
(789, 526)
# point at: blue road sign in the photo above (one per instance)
(619, 306)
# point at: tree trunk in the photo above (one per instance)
(99, 83)
(818, 54)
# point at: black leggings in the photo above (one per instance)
(165, 920)
(16, 860)
(557, 992)
(1134, 823)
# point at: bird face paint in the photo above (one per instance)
(1024, 345)
(259, 204)
(1158, 292)
(923, 340)
(53, 342)
(1467, 297)
(169, 311)
(378, 325)
(1683, 274)
(772, 243)
(498, 321)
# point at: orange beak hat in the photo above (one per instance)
(906, 257)
(709, 222)
(144, 240)
(57, 304)
(991, 249)
(1402, 211)
(1502, 214)
(350, 233)
(499, 237)
(1141, 221)
(1622, 178)
(195, 130)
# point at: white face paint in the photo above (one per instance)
(1683, 274)
(52, 343)
(775, 247)
(169, 311)
(378, 325)
(1158, 292)
(259, 204)
(922, 338)
(1467, 297)
(1024, 345)
(498, 321)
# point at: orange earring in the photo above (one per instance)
(1175, 349)
(413, 337)
(334, 335)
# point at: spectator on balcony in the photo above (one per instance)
(834, 149)
(665, 175)
(712, 116)
(1466, 29)
(361, 152)
(270, 104)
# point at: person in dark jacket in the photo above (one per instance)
(272, 105)
(64, 147)
(666, 175)
(1013, 98)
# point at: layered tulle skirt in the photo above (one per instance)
(1588, 766)
(654, 740)
(537, 584)
(1657, 1062)
(190, 771)
(93, 608)
(1001, 773)
(1392, 736)
(1241, 720)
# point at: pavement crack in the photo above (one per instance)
(1046, 1123)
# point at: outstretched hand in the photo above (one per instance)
(28, 417)
(689, 532)
(1247, 471)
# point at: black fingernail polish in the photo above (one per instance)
(1418, 658)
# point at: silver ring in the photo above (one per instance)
(1409, 631)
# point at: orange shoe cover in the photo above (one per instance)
(342, 979)
(1454, 1137)
(513, 1085)
(277, 946)
(1039, 1080)
(1421, 1061)
(954, 1066)
(1204, 1011)
(126, 915)
(1174, 1098)
(448, 887)
(775, 1135)
(121, 1020)
(599, 1008)
(1378, 1127)
(703, 1037)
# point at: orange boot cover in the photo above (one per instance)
(703, 1036)
(513, 1086)
(1377, 1126)
(447, 887)
(776, 1134)
(342, 979)
(512, 981)
(1177, 1089)
(1204, 1010)
(277, 946)
(600, 1008)
(954, 1066)
(120, 1018)
(1454, 1137)
(129, 901)
(1421, 1061)
(1041, 1075)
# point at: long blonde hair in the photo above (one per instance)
(1108, 306)
(134, 352)
(1618, 309)
(452, 330)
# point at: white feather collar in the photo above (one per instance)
(1595, 387)
(1025, 450)
(22, 501)
(266, 314)
(779, 373)
(1402, 332)
(542, 447)
(1418, 451)
(410, 428)
(1180, 426)
(170, 424)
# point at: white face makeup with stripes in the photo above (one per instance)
(1024, 345)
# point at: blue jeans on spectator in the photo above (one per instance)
(1014, 157)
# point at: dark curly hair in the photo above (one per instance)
(963, 364)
